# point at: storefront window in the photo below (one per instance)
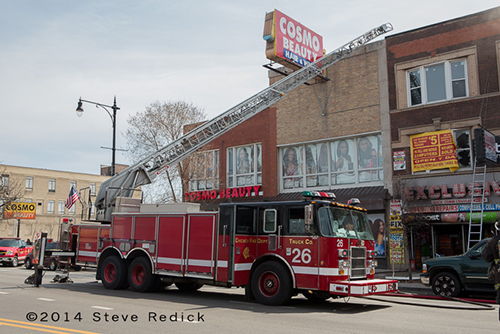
(204, 171)
(244, 166)
(370, 159)
(343, 163)
(292, 167)
(328, 164)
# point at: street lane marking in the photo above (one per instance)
(3, 293)
(46, 299)
(103, 308)
(41, 328)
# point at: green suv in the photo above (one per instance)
(449, 276)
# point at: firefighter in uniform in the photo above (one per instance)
(491, 253)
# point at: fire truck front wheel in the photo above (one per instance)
(272, 284)
(114, 273)
(140, 275)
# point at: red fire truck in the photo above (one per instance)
(274, 250)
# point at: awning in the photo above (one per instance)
(371, 198)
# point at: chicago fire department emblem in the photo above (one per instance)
(246, 253)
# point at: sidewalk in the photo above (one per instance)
(404, 279)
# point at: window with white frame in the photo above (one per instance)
(50, 206)
(244, 165)
(92, 188)
(328, 164)
(5, 180)
(52, 185)
(443, 81)
(204, 170)
(29, 182)
(61, 206)
(72, 184)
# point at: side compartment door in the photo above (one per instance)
(200, 257)
(88, 243)
(170, 247)
(225, 245)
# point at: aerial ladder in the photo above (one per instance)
(145, 171)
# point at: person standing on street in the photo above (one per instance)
(491, 253)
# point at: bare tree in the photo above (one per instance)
(11, 190)
(149, 131)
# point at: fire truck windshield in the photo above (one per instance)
(343, 223)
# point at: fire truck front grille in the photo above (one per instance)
(358, 261)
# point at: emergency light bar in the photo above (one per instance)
(318, 194)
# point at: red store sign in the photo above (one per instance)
(458, 190)
(222, 193)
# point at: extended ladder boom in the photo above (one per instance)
(145, 171)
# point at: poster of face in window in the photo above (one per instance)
(377, 225)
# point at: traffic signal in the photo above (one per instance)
(464, 158)
(463, 148)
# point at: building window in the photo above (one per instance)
(437, 82)
(244, 165)
(61, 207)
(29, 183)
(52, 185)
(50, 206)
(324, 165)
(5, 180)
(92, 188)
(204, 171)
(72, 184)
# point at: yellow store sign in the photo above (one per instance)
(20, 211)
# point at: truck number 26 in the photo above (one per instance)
(301, 256)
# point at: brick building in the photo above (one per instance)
(49, 190)
(443, 80)
(327, 135)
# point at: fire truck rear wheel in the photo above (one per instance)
(114, 273)
(188, 286)
(140, 275)
(272, 284)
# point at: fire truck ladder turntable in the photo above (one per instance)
(146, 170)
(476, 207)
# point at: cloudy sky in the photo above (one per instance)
(209, 53)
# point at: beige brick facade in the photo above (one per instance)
(41, 195)
(347, 105)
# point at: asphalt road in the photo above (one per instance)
(84, 306)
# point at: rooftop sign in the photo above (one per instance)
(289, 42)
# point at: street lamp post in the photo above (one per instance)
(79, 113)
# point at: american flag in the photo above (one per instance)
(72, 198)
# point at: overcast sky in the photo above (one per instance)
(209, 53)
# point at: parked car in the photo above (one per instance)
(13, 250)
(50, 262)
(450, 276)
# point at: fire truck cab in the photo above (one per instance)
(274, 250)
